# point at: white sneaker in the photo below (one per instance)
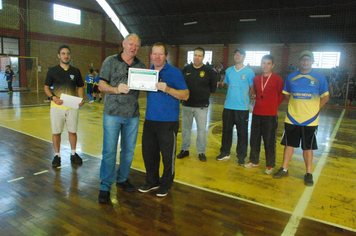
(251, 165)
(91, 101)
(222, 157)
(269, 170)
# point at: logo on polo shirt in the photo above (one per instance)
(243, 77)
(202, 73)
(72, 77)
(312, 83)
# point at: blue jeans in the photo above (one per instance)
(113, 125)
(200, 114)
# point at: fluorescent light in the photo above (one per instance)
(190, 23)
(122, 29)
(247, 20)
(319, 16)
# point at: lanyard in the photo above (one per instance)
(263, 87)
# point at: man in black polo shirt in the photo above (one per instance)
(65, 79)
(201, 81)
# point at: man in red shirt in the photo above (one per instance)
(268, 88)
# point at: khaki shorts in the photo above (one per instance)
(60, 117)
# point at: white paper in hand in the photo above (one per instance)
(71, 101)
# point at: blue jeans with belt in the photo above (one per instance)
(113, 126)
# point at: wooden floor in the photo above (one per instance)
(212, 198)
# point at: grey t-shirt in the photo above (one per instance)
(114, 71)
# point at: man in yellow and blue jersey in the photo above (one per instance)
(307, 92)
(89, 82)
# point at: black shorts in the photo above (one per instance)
(293, 134)
(96, 89)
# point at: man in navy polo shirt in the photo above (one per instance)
(162, 121)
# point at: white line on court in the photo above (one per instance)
(23, 106)
(298, 213)
(255, 203)
(213, 191)
(61, 167)
(41, 172)
(12, 180)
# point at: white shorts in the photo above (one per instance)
(59, 117)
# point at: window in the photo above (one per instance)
(66, 14)
(254, 57)
(11, 46)
(0, 4)
(326, 59)
(207, 58)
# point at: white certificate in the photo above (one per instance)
(71, 101)
(143, 79)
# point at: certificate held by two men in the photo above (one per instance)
(143, 79)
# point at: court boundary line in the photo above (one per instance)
(298, 213)
(214, 191)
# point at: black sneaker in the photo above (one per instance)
(146, 188)
(76, 159)
(202, 157)
(280, 173)
(308, 179)
(126, 186)
(162, 192)
(56, 161)
(104, 196)
(222, 156)
(183, 154)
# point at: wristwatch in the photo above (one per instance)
(51, 98)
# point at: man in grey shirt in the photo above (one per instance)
(121, 115)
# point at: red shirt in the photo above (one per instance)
(272, 95)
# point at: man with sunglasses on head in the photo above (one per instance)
(121, 117)
(307, 92)
(239, 79)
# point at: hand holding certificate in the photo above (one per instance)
(143, 79)
(70, 101)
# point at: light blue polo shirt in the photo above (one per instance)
(239, 82)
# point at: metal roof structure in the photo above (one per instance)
(183, 22)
